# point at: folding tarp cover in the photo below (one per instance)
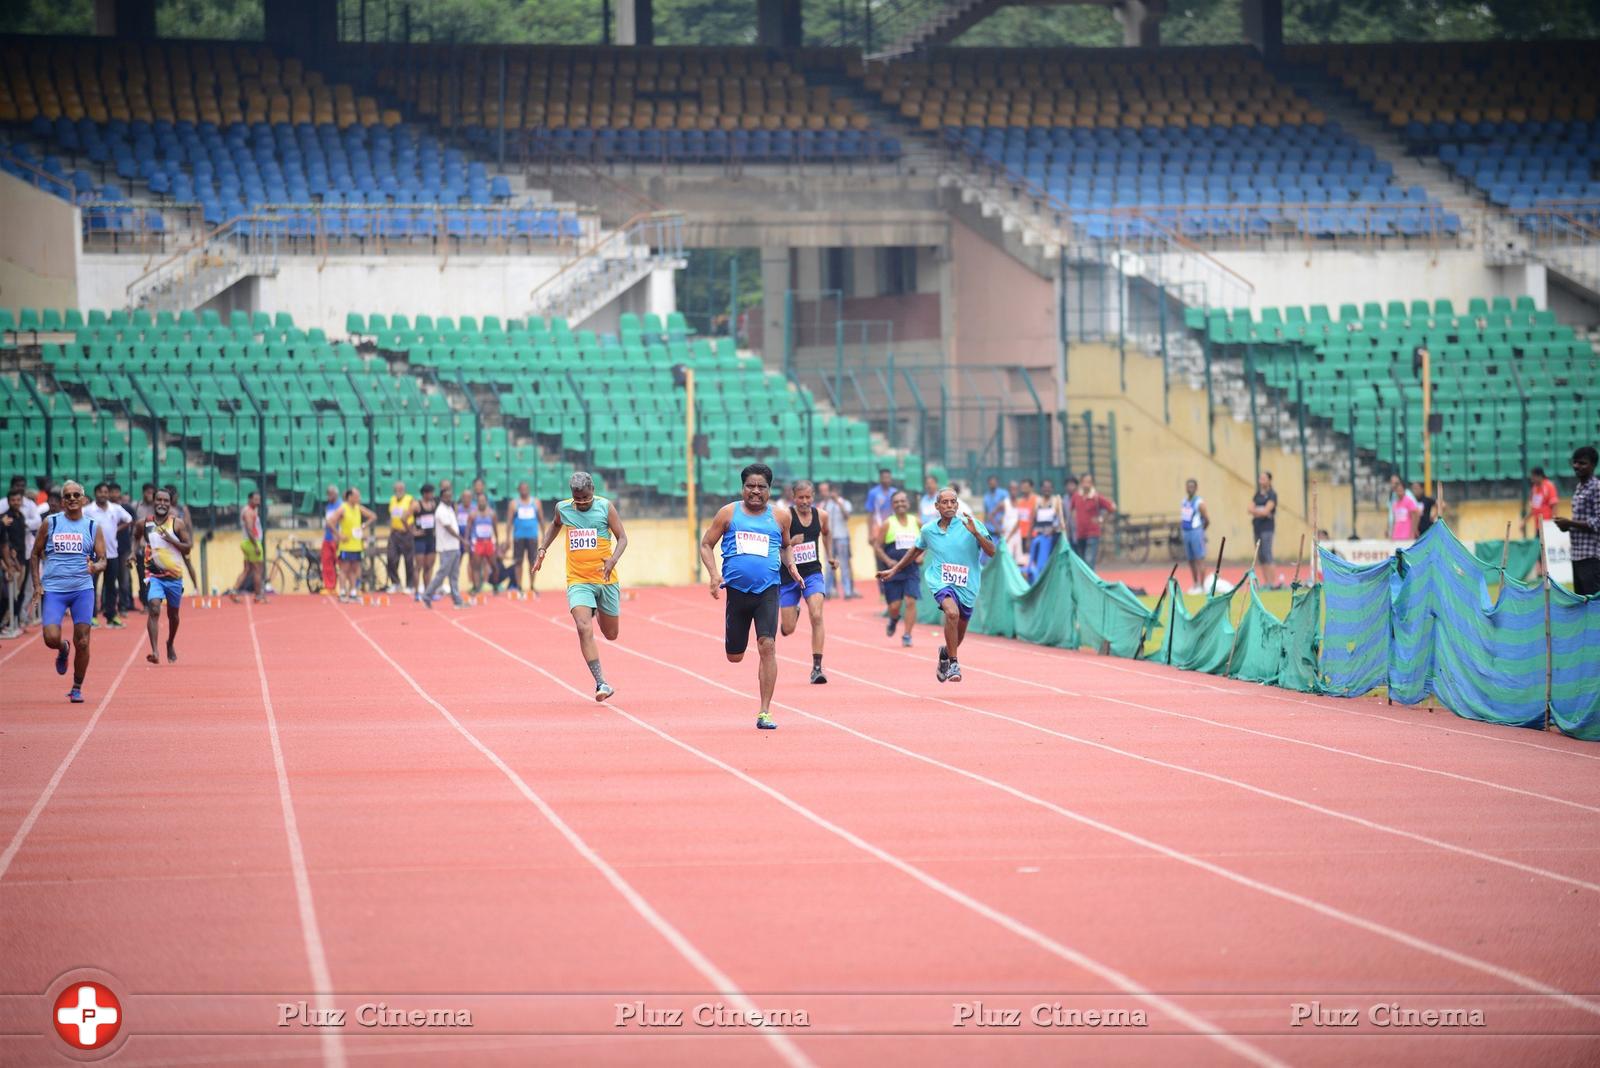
(1069, 606)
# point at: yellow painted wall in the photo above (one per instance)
(1154, 457)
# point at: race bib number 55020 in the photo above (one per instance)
(582, 538)
(952, 575)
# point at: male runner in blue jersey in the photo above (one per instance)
(68, 553)
(755, 541)
(954, 548)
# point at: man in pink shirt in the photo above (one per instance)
(1403, 510)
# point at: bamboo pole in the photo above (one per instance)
(1217, 574)
(1155, 613)
(1299, 558)
(1250, 582)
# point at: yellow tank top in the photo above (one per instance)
(350, 533)
(400, 517)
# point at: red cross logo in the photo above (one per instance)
(87, 1015)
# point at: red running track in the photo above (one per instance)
(349, 806)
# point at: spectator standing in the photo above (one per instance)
(330, 542)
(141, 515)
(402, 547)
(1429, 508)
(110, 519)
(996, 501)
(124, 561)
(837, 508)
(1264, 524)
(1542, 502)
(1584, 525)
(880, 498)
(928, 504)
(447, 533)
(1403, 511)
(1193, 519)
(1087, 506)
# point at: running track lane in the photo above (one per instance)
(758, 887)
(159, 855)
(926, 826)
(1474, 934)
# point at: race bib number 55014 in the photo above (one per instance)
(952, 575)
(582, 538)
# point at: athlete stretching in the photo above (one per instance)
(595, 542)
(68, 553)
(952, 547)
(755, 542)
(166, 545)
(808, 533)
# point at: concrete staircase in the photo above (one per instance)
(617, 262)
(910, 25)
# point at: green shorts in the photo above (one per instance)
(251, 551)
(603, 597)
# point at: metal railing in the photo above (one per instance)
(611, 265)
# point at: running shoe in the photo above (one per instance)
(603, 691)
(764, 721)
(817, 677)
(427, 602)
(75, 695)
(953, 673)
(894, 621)
(61, 660)
(905, 641)
(115, 624)
(944, 662)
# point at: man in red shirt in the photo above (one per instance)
(1026, 504)
(1087, 504)
(1541, 502)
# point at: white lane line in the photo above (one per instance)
(1242, 729)
(310, 932)
(1261, 791)
(61, 769)
(1193, 1021)
(1191, 679)
(720, 982)
(1332, 912)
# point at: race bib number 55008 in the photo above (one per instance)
(952, 575)
(582, 538)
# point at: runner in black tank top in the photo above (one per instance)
(807, 537)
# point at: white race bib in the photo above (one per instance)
(582, 538)
(67, 541)
(425, 521)
(952, 575)
(905, 540)
(1046, 517)
(751, 543)
(805, 552)
(527, 511)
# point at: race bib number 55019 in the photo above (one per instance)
(952, 575)
(582, 538)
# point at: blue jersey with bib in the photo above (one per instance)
(750, 549)
(69, 544)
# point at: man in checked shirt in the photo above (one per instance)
(1584, 526)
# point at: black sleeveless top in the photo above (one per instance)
(805, 534)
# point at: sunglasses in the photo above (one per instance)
(72, 496)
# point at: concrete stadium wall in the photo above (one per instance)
(1002, 312)
(321, 293)
(1344, 277)
(41, 239)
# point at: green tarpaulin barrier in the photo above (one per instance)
(1519, 561)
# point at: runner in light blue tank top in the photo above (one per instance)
(68, 553)
(524, 513)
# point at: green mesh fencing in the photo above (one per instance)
(1521, 557)
(1425, 625)
(1069, 606)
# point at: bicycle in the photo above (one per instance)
(297, 561)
